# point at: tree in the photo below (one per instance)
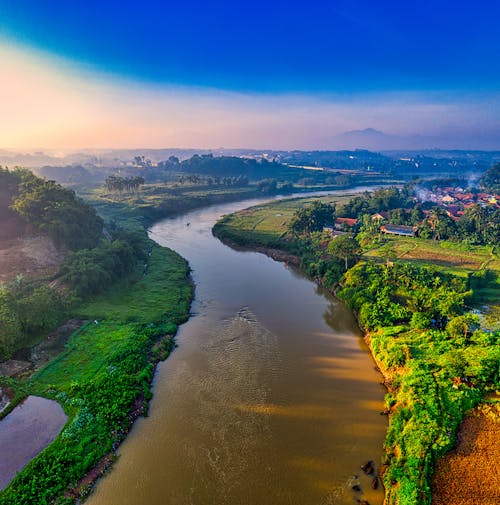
(491, 179)
(461, 327)
(312, 218)
(345, 247)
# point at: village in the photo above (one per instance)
(453, 200)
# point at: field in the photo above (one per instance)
(268, 222)
(155, 201)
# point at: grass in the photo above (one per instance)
(102, 378)
(155, 201)
(144, 298)
(455, 258)
(274, 217)
(449, 257)
(266, 225)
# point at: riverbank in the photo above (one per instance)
(102, 380)
(432, 376)
(267, 354)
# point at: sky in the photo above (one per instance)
(250, 74)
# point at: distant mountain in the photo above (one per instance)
(376, 140)
(371, 139)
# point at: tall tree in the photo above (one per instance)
(345, 247)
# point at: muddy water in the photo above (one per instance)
(271, 397)
(25, 432)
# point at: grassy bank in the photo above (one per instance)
(102, 379)
(157, 201)
(436, 361)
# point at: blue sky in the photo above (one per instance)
(441, 53)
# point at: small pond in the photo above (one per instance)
(25, 432)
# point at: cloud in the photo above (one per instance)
(52, 103)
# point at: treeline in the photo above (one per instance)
(120, 184)
(208, 165)
(379, 200)
(240, 180)
(490, 181)
(67, 219)
(93, 263)
(437, 360)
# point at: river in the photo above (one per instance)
(271, 397)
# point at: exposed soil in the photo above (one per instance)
(54, 343)
(470, 474)
(27, 361)
(31, 255)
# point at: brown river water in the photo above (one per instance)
(271, 398)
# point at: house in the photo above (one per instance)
(398, 229)
(342, 222)
(379, 216)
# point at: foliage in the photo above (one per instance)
(90, 271)
(116, 183)
(101, 379)
(345, 247)
(27, 311)
(438, 369)
(415, 314)
(45, 204)
(312, 218)
(491, 179)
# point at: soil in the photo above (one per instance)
(33, 256)
(470, 474)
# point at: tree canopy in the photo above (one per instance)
(312, 218)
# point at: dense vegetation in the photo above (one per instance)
(27, 312)
(416, 311)
(437, 360)
(134, 293)
(94, 262)
(102, 380)
(477, 225)
(490, 181)
(48, 206)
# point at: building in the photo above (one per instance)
(342, 223)
(398, 229)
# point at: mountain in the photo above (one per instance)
(371, 139)
(376, 140)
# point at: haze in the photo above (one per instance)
(70, 81)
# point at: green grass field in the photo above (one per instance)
(155, 201)
(271, 219)
(144, 298)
